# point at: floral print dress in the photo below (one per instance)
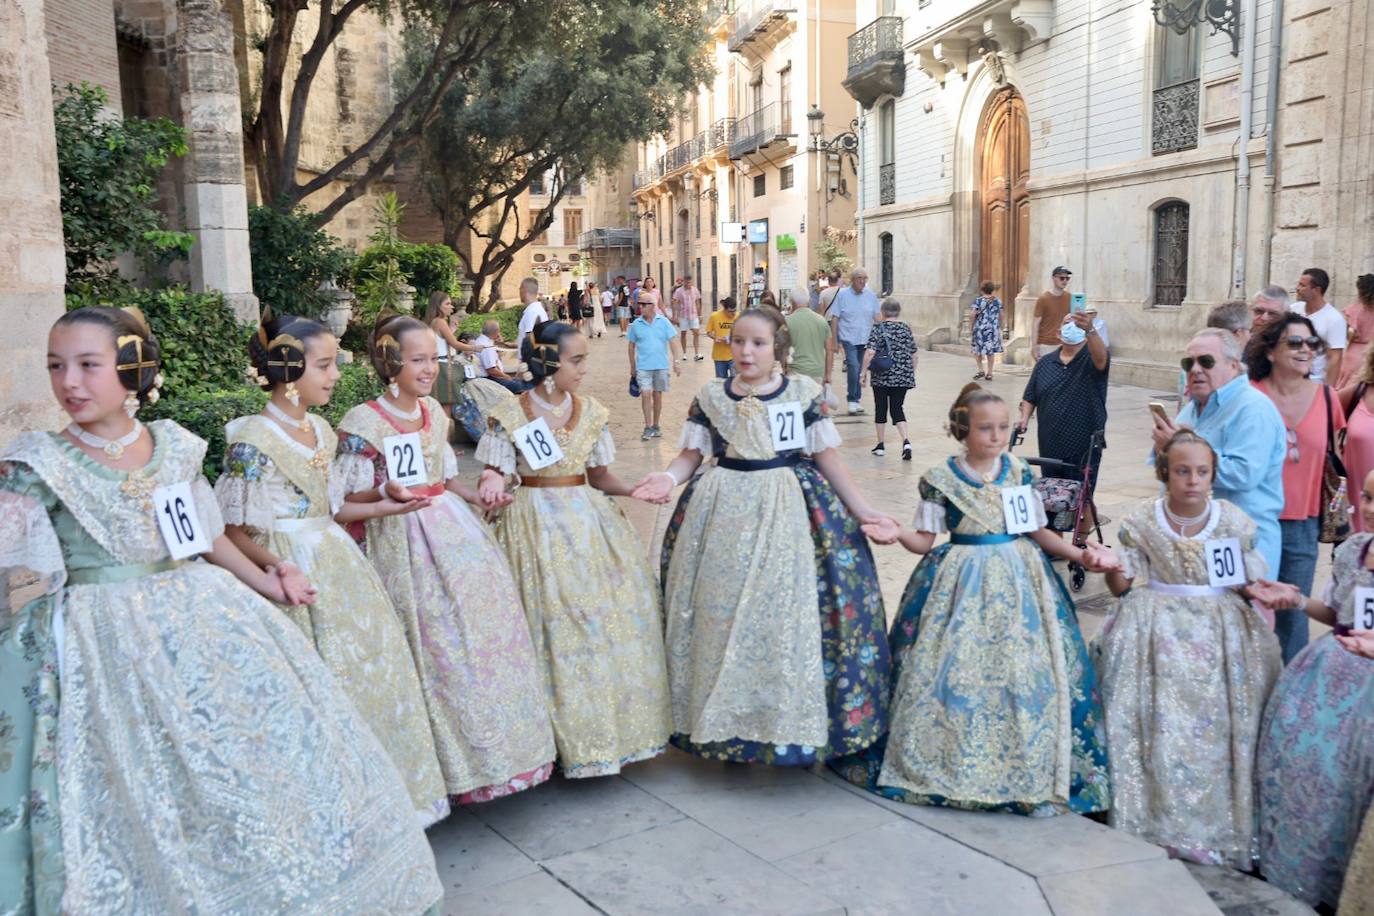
(774, 612)
(987, 325)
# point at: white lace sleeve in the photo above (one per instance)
(337, 490)
(930, 517)
(207, 507)
(822, 435)
(244, 490)
(352, 473)
(603, 452)
(450, 469)
(696, 436)
(1328, 594)
(29, 541)
(1134, 563)
(1256, 567)
(497, 451)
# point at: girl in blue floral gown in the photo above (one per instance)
(774, 613)
(1315, 769)
(995, 705)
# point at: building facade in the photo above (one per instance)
(741, 191)
(610, 243)
(554, 254)
(1170, 169)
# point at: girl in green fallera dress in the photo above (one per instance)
(206, 760)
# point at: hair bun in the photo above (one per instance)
(276, 350)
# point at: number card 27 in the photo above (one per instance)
(175, 509)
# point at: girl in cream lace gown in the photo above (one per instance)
(207, 760)
(587, 585)
(279, 495)
(776, 650)
(448, 579)
(1186, 669)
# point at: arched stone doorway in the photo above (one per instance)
(1003, 150)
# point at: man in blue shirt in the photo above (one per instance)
(1245, 429)
(651, 337)
(852, 314)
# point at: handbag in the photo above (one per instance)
(882, 359)
(1335, 507)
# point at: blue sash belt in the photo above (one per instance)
(978, 540)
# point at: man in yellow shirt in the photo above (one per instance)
(718, 329)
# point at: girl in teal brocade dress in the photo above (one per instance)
(995, 705)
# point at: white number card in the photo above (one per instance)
(1018, 509)
(469, 371)
(537, 443)
(1225, 563)
(405, 459)
(1364, 609)
(788, 426)
(176, 516)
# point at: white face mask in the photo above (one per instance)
(1072, 334)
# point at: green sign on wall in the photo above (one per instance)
(787, 243)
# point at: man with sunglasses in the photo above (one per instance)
(1244, 428)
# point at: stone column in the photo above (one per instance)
(32, 258)
(216, 201)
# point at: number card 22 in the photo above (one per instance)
(1225, 563)
(175, 509)
(788, 426)
(405, 459)
(537, 443)
(1018, 509)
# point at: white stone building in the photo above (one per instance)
(1005, 137)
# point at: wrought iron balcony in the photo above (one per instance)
(721, 133)
(715, 9)
(876, 63)
(1174, 124)
(887, 184)
(756, 131)
(756, 19)
(608, 238)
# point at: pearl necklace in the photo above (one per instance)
(398, 412)
(1185, 523)
(285, 419)
(555, 411)
(113, 448)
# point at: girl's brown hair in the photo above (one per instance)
(138, 355)
(969, 397)
(782, 340)
(1182, 437)
(436, 299)
(384, 347)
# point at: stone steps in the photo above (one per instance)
(1140, 373)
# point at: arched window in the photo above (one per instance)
(1171, 253)
(885, 264)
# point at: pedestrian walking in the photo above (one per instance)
(1280, 360)
(448, 579)
(622, 304)
(985, 319)
(890, 357)
(592, 603)
(278, 495)
(1359, 319)
(1186, 667)
(185, 690)
(594, 311)
(653, 352)
(534, 312)
(1051, 308)
(1357, 401)
(608, 296)
(574, 306)
(852, 314)
(1326, 318)
(687, 307)
(995, 703)
(718, 329)
(774, 615)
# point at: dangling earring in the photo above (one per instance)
(292, 395)
(131, 404)
(548, 384)
(395, 390)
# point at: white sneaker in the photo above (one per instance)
(855, 407)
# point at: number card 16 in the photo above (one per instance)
(175, 509)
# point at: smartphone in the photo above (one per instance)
(1078, 302)
(1158, 410)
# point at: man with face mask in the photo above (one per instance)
(1069, 387)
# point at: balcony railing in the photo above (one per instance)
(1175, 118)
(880, 38)
(716, 9)
(721, 133)
(755, 131)
(887, 184)
(608, 238)
(754, 19)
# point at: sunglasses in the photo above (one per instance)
(1314, 344)
(1206, 361)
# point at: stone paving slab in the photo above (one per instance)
(1157, 888)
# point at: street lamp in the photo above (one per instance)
(1221, 15)
(847, 142)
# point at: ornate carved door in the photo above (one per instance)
(1004, 168)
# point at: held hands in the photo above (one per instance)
(1100, 559)
(1275, 594)
(1360, 642)
(402, 494)
(295, 587)
(656, 487)
(491, 490)
(881, 529)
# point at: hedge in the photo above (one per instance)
(509, 319)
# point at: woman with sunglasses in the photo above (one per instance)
(1279, 360)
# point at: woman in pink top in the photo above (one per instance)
(1359, 315)
(1279, 359)
(1357, 399)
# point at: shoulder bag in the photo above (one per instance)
(882, 358)
(1335, 507)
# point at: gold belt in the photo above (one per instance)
(572, 480)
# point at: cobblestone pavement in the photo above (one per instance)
(681, 835)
